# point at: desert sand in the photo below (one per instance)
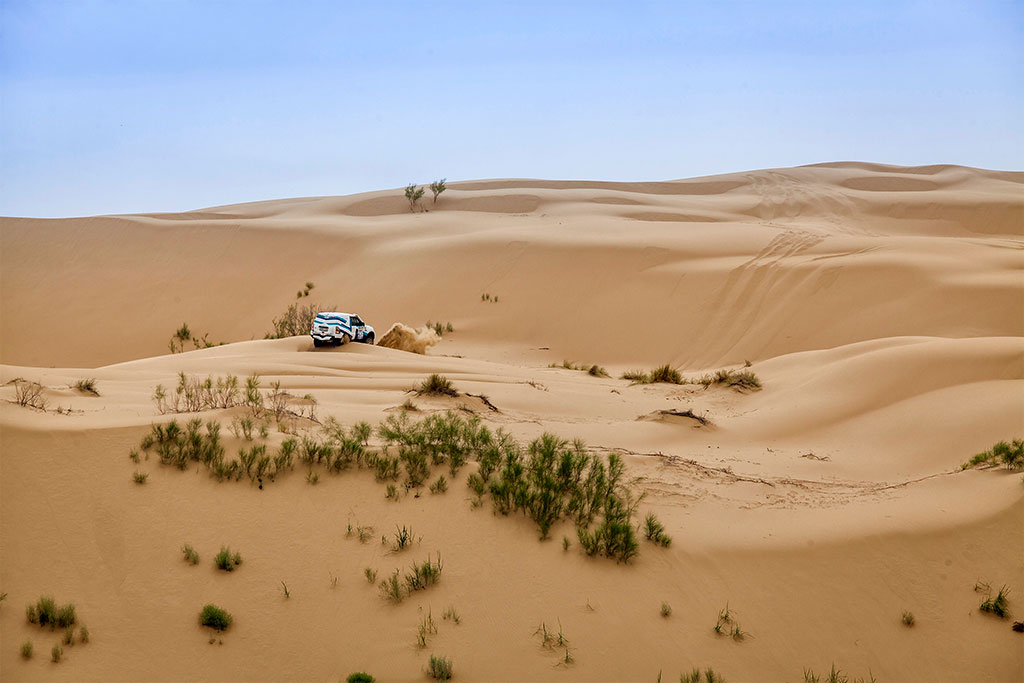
(881, 307)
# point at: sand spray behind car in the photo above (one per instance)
(405, 338)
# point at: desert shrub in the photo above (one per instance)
(439, 486)
(215, 617)
(655, 531)
(907, 618)
(29, 394)
(26, 649)
(46, 612)
(56, 652)
(69, 636)
(191, 556)
(296, 320)
(437, 187)
(83, 634)
(665, 373)
(666, 609)
(439, 668)
(370, 574)
(437, 385)
(736, 379)
(226, 560)
(391, 588)
(413, 194)
(360, 677)
(87, 386)
(140, 477)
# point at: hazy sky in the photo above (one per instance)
(114, 107)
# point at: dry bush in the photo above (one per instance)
(29, 394)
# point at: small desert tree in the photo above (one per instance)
(437, 187)
(413, 194)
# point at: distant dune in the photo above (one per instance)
(881, 308)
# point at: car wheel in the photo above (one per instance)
(345, 339)
(369, 339)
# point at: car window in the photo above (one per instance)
(356, 320)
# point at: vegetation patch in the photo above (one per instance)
(1009, 454)
(436, 385)
(439, 668)
(87, 386)
(226, 560)
(46, 612)
(29, 394)
(592, 370)
(215, 617)
(655, 531)
(834, 676)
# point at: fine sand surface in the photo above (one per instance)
(881, 307)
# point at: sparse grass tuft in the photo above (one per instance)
(592, 370)
(191, 556)
(440, 668)
(227, 561)
(370, 574)
(996, 605)
(437, 385)
(284, 587)
(140, 477)
(403, 538)
(87, 386)
(655, 531)
(26, 649)
(666, 374)
(391, 588)
(450, 614)
(666, 609)
(835, 676)
(69, 636)
(215, 617)
(439, 486)
(83, 634)
(55, 653)
(908, 618)
(636, 376)
(695, 676)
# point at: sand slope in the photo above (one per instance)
(882, 308)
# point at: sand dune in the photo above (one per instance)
(881, 307)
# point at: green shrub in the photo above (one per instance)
(69, 636)
(413, 194)
(26, 649)
(140, 477)
(695, 677)
(439, 486)
(360, 677)
(666, 609)
(83, 634)
(227, 561)
(215, 617)
(391, 588)
(370, 574)
(55, 653)
(440, 668)
(424, 574)
(437, 187)
(655, 531)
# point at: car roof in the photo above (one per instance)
(337, 313)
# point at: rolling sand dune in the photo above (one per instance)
(881, 307)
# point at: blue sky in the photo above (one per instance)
(114, 107)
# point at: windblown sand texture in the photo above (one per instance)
(881, 307)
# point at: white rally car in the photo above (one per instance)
(333, 328)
